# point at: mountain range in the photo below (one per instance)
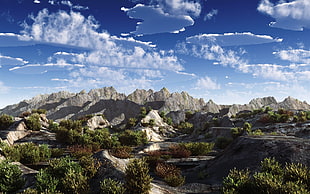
(118, 107)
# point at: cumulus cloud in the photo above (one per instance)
(210, 15)
(293, 15)
(159, 16)
(155, 20)
(232, 39)
(107, 60)
(294, 55)
(206, 83)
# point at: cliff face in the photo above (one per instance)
(118, 107)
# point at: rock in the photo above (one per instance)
(97, 122)
(248, 152)
(177, 116)
(153, 115)
(151, 134)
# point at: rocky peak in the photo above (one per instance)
(262, 102)
(141, 96)
(292, 103)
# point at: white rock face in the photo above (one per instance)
(97, 122)
(153, 114)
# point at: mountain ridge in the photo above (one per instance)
(114, 105)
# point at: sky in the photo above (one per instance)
(230, 51)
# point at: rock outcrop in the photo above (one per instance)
(247, 152)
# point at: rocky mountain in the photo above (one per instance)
(118, 107)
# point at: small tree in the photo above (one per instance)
(10, 177)
(5, 121)
(138, 180)
(33, 122)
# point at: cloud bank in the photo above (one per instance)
(293, 15)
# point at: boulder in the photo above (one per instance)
(97, 122)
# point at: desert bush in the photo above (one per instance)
(151, 122)
(163, 170)
(63, 175)
(265, 182)
(90, 165)
(10, 177)
(222, 142)
(137, 177)
(70, 124)
(121, 152)
(33, 122)
(175, 180)
(297, 173)
(186, 127)
(132, 122)
(79, 151)
(5, 121)
(198, 148)
(74, 182)
(179, 151)
(27, 153)
(237, 181)
(272, 179)
(110, 186)
(270, 165)
(39, 111)
(46, 182)
(132, 138)
(143, 112)
(56, 152)
(257, 132)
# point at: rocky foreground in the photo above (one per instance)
(242, 135)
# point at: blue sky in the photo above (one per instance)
(227, 51)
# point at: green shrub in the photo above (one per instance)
(237, 181)
(10, 177)
(74, 182)
(267, 182)
(5, 121)
(33, 122)
(90, 166)
(257, 132)
(46, 182)
(151, 122)
(39, 111)
(132, 138)
(110, 186)
(270, 165)
(222, 142)
(78, 151)
(186, 127)
(27, 153)
(273, 179)
(163, 170)
(198, 148)
(57, 152)
(179, 151)
(137, 177)
(297, 173)
(63, 175)
(70, 124)
(122, 152)
(132, 122)
(175, 180)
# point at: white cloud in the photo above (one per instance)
(11, 39)
(37, 1)
(232, 39)
(123, 62)
(294, 55)
(210, 15)
(293, 15)
(155, 20)
(7, 60)
(206, 83)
